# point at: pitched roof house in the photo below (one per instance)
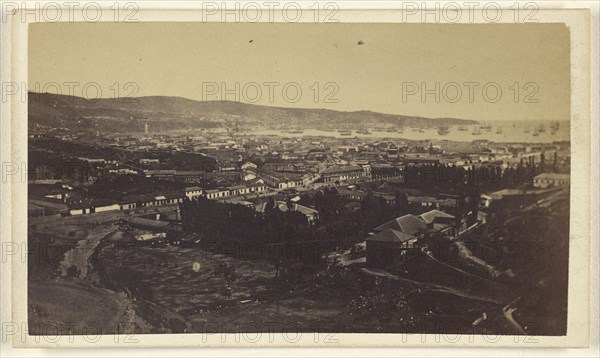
(408, 224)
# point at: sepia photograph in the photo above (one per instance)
(325, 178)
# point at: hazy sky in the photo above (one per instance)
(193, 60)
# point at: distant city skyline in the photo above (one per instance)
(376, 67)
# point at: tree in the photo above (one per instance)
(289, 203)
(402, 205)
(472, 199)
(269, 206)
(374, 210)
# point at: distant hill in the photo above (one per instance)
(171, 113)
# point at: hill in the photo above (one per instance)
(175, 113)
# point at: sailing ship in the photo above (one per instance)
(476, 131)
(486, 127)
(462, 128)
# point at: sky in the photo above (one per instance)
(430, 70)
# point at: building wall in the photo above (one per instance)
(289, 184)
(128, 206)
(76, 211)
(546, 182)
(329, 178)
(101, 209)
(192, 194)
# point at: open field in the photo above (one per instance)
(176, 289)
(182, 288)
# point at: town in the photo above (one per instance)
(81, 174)
(296, 217)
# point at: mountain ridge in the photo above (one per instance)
(171, 113)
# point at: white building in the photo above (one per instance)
(193, 191)
(545, 180)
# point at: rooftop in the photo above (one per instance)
(342, 169)
(408, 224)
(390, 235)
(193, 188)
(432, 215)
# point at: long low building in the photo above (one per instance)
(342, 174)
(545, 180)
(159, 199)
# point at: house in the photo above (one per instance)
(393, 238)
(282, 182)
(366, 170)
(127, 205)
(285, 178)
(150, 200)
(309, 178)
(438, 220)
(174, 198)
(286, 183)
(238, 190)
(357, 195)
(193, 191)
(248, 175)
(257, 188)
(545, 180)
(217, 193)
(96, 206)
(345, 173)
(249, 166)
(506, 195)
(408, 224)
(311, 214)
(102, 206)
(386, 247)
(79, 209)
